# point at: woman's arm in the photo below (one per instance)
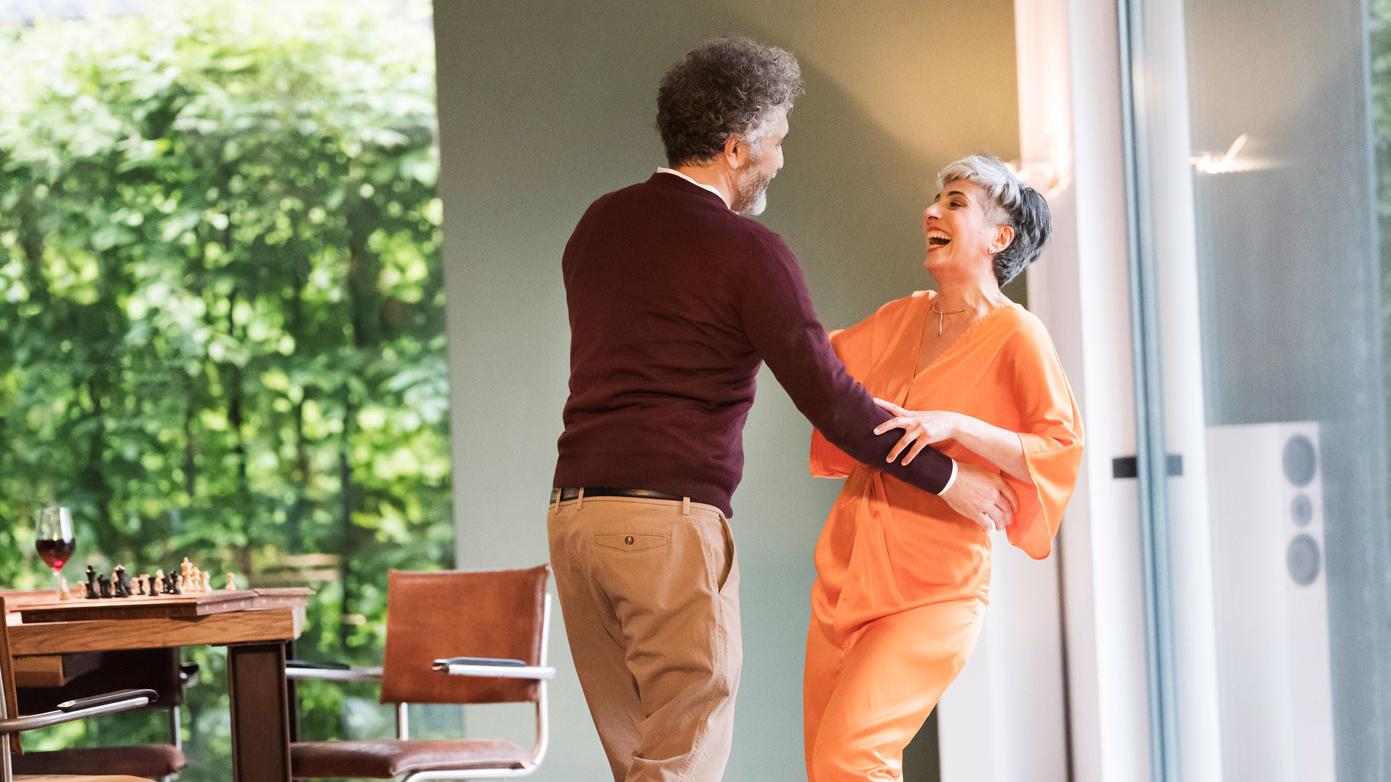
(922, 428)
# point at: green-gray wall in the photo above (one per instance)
(544, 106)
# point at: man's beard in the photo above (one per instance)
(752, 196)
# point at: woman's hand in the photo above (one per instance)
(921, 428)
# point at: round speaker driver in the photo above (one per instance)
(1299, 460)
(1302, 509)
(1302, 559)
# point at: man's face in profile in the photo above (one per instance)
(765, 158)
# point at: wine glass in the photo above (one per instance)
(54, 539)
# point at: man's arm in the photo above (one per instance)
(782, 325)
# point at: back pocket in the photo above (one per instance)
(632, 541)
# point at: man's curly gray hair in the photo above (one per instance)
(724, 87)
(1011, 203)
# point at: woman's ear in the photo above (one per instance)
(1004, 237)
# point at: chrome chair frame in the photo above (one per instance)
(67, 711)
(541, 674)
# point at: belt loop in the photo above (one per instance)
(685, 506)
(555, 500)
(579, 504)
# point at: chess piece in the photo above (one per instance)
(195, 580)
(231, 583)
(120, 585)
(207, 585)
(63, 592)
(91, 584)
(152, 590)
(140, 585)
(104, 587)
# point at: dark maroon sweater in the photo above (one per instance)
(674, 300)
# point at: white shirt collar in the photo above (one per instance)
(674, 172)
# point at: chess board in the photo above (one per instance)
(187, 606)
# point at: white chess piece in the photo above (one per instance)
(206, 584)
(231, 583)
(63, 592)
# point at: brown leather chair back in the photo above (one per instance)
(496, 613)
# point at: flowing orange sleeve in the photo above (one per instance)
(855, 348)
(1052, 436)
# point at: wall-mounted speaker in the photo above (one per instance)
(1265, 490)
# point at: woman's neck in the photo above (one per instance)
(969, 293)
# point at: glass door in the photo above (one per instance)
(1258, 139)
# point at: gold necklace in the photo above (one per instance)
(941, 315)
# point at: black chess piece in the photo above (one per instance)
(91, 584)
(153, 589)
(104, 586)
(120, 584)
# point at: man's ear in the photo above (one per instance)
(735, 152)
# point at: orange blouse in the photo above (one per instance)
(888, 546)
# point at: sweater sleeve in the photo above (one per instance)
(854, 346)
(1052, 437)
(782, 325)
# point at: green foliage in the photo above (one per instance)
(221, 309)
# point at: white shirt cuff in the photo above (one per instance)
(950, 480)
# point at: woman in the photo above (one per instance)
(902, 579)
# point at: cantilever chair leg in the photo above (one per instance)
(6, 765)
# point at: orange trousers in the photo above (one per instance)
(863, 702)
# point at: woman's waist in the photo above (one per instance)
(925, 536)
(871, 492)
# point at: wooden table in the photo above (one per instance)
(56, 639)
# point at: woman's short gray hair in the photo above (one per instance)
(724, 87)
(1011, 203)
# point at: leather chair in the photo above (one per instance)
(151, 669)
(501, 620)
(12, 724)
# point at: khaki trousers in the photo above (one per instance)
(649, 590)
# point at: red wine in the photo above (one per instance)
(55, 552)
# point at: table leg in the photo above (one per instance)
(260, 713)
(293, 695)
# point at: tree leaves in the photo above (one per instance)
(221, 315)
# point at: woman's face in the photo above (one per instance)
(958, 228)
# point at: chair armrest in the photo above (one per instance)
(80, 709)
(491, 668)
(510, 662)
(301, 670)
(92, 701)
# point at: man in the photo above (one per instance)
(674, 298)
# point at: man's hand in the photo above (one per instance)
(982, 496)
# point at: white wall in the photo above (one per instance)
(543, 107)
